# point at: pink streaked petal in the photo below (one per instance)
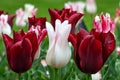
(112, 26)
(42, 36)
(105, 24)
(97, 24)
(90, 53)
(34, 11)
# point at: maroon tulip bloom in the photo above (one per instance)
(10, 18)
(21, 49)
(33, 21)
(65, 14)
(92, 50)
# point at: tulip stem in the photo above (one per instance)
(19, 76)
(118, 28)
(57, 74)
(88, 77)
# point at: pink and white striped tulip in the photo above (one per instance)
(59, 52)
(104, 23)
(22, 15)
(4, 26)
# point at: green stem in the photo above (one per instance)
(19, 76)
(57, 74)
(88, 77)
(118, 28)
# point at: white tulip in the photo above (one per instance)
(75, 6)
(20, 20)
(22, 15)
(59, 52)
(91, 7)
(4, 26)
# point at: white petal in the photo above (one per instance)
(62, 55)
(6, 29)
(50, 31)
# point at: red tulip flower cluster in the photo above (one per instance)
(21, 50)
(92, 49)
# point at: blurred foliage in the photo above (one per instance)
(110, 71)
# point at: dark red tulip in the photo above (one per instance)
(92, 50)
(40, 25)
(33, 21)
(21, 49)
(65, 14)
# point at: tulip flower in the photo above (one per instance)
(4, 26)
(10, 17)
(38, 25)
(92, 49)
(106, 25)
(79, 7)
(75, 6)
(21, 50)
(59, 52)
(22, 15)
(65, 14)
(91, 6)
(33, 21)
(117, 17)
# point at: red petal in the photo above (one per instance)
(34, 41)
(42, 36)
(10, 19)
(81, 35)
(37, 21)
(17, 36)
(1, 12)
(8, 42)
(73, 19)
(90, 53)
(97, 35)
(20, 59)
(109, 44)
(54, 15)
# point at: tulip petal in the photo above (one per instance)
(51, 32)
(8, 42)
(90, 53)
(34, 41)
(73, 19)
(42, 36)
(10, 19)
(21, 56)
(109, 44)
(17, 37)
(54, 15)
